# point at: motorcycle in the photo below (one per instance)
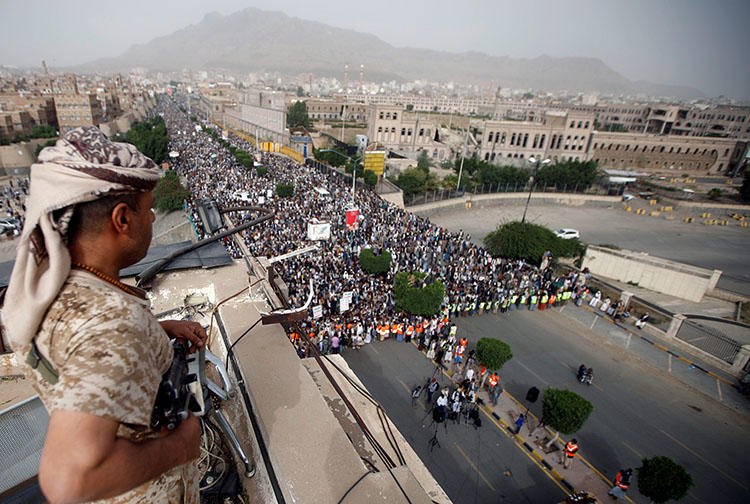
(585, 375)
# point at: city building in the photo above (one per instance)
(560, 136)
(397, 130)
(75, 110)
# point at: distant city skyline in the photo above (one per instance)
(690, 42)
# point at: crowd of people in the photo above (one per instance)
(13, 205)
(475, 282)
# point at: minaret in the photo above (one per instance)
(361, 78)
(346, 77)
(44, 67)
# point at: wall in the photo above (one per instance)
(660, 275)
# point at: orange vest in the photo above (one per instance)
(620, 483)
(460, 350)
(571, 449)
(399, 328)
(409, 330)
(493, 379)
(294, 336)
(311, 335)
(463, 342)
(420, 327)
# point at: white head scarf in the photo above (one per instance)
(83, 165)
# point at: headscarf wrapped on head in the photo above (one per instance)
(84, 165)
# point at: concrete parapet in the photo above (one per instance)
(499, 198)
(654, 273)
(674, 326)
(741, 358)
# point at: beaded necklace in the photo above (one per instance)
(108, 279)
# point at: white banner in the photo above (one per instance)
(343, 305)
(318, 231)
(317, 312)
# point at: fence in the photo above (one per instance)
(709, 339)
(444, 194)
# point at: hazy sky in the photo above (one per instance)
(699, 43)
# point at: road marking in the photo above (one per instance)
(718, 387)
(593, 323)
(670, 363)
(597, 387)
(640, 456)
(475, 468)
(699, 457)
(532, 372)
(372, 347)
(630, 336)
(405, 386)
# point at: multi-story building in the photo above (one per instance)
(560, 136)
(425, 103)
(75, 110)
(40, 108)
(390, 126)
(335, 109)
(664, 153)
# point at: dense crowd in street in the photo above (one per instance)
(12, 205)
(475, 281)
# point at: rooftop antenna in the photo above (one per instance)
(361, 77)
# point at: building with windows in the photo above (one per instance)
(397, 130)
(75, 110)
(668, 153)
(560, 136)
(335, 109)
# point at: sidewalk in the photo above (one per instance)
(690, 370)
(580, 476)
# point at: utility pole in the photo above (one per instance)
(463, 155)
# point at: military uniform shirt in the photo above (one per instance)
(110, 353)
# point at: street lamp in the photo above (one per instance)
(538, 163)
(354, 167)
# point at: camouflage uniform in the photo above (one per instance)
(110, 353)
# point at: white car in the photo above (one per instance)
(567, 233)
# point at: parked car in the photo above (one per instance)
(627, 197)
(567, 234)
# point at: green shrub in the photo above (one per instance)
(43, 131)
(493, 353)
(375, 264)
(261, 170)
(565, 411)
(284, 190)
(193, 118)
(169, 194)
(714, 193)
(568, 174)
(528, 242)
(416, 296)
(370, 178)
(150, 137)
(661, 479)
(411, 180)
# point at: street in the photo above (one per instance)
(639, 412)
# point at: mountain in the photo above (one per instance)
(254, 40)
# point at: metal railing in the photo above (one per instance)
(709, 339)
(445, 194)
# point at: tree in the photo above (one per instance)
(261, 170)
(564, 411)
(297, 115)
(370, 178)
(43, 131)
(411, 180)
(375, 264)
(150, 137)
(300, 91)
(529, 241)
(714, 193)
(418, 294)
(423, 162)
(409, 107)
(493, 353)
(284, 190)
(568, 174)
(169, 193)
(330, 157)
(661, 479)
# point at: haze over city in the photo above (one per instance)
(688, 43)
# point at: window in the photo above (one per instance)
(580, 124)
(573, 124)
(486, 156)
(381, 115)
(380, 129)
(552, 144)
(387, 115)
(408, 132)
(502, 139)
(490, 136)
(587, 125)
(726, 152)
(525, 139)
(403, 131)
(421, 131)
(536, 141)
(395, 116)
(513, 139)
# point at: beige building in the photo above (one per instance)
(398, 130)
(665, 153)
(75, 110)
(559, 136)
(335, 109)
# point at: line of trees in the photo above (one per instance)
(150, 137)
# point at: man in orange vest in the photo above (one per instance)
(571, 448)
(622, 482)
(493, 389)
(398, 328)
(409, 331)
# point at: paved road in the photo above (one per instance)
(639, 411)
(711, 247)
(470, 464)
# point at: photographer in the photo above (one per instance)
(96, 353)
